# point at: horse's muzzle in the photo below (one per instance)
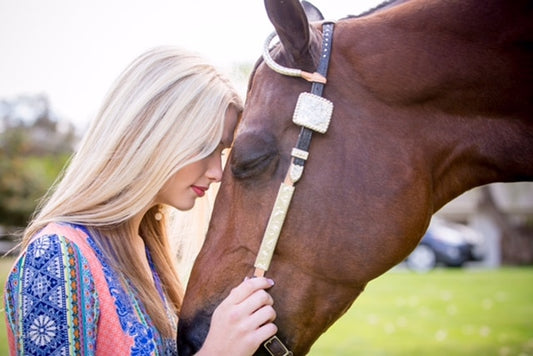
(192, 334)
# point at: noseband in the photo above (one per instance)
(312, 113)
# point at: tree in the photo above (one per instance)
(34, 146)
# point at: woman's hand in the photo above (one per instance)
(242, 321)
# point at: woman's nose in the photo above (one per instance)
(214, 169)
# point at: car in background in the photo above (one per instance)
(448, 244)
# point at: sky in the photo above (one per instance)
(72, 50)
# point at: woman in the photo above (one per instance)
(96, 275)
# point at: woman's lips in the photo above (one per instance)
(200, 191)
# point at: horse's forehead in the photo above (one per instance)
(271, 100)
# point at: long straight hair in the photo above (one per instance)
(165, 111)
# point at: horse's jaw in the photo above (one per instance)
(299, 322)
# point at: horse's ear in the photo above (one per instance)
(291, 24)
(313, 14)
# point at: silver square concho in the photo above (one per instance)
(313, 111)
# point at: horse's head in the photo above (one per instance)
(334, 226)
(370, 185)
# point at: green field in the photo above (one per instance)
(446, 312)
(5, 265)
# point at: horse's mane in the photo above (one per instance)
(383, 4)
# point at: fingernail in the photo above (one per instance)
(246, 278)
(270, 281)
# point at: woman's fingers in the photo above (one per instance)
(245, 301)
(265, 332)
(261, 317)
(247, 288)
(243, 320)
(256, 300)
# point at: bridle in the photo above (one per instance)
(312, 113)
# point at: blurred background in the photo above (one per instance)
(58, 59)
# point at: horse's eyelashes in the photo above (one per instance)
(252, 155)
(252, 168)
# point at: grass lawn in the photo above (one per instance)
(445, 312)
(5, 266)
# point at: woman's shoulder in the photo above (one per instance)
(58, 244)
(72, 232)
(55, 256)
(64, 239)
(55, 240)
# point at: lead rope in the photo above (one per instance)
(312, 113)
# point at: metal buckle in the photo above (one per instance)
(313, 111)
(275, 347)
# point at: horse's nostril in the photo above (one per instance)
(184, 348)
(192, 334)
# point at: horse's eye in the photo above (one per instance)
(253, 154)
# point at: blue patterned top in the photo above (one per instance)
(63, 298)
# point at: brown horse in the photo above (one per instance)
(431, 98)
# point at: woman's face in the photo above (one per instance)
(193, 180)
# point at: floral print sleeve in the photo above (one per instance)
(51, 300)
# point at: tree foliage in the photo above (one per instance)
(34, 146)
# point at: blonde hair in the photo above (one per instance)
(165, 111)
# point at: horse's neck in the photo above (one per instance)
(467, 153)
(459, 56)
(469, 64)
